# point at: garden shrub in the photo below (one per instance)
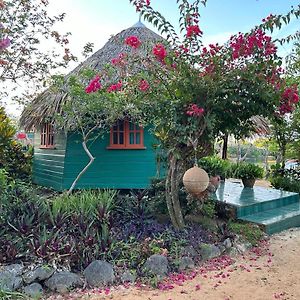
(249, 171)
(215, 166)
(232, 171)
(16, 161)
(12, 157)
(250, 232)
(285, 179)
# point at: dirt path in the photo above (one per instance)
(271, 274)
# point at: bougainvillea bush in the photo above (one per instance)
(190, 93)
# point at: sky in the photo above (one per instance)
(96, 20)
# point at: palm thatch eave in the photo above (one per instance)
(50, 102)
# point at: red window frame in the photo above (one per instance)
(126, 135)
(47, 136)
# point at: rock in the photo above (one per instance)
(227, 243)
(186, 263)
(34, 290)
(209, 251)
(39, 274)
(15, 269)
(233, 251)
(63, 282)
(99, 273)
(127, 276)
(189, 251)
(241, 245)
(157, 265)
(9, 277)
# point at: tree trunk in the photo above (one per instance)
(174, 175)
(246, 154)
(91, 157)
(238, 152)
(266, 161)
(283, 155)
(225, 146)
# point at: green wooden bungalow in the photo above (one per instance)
(125, 157)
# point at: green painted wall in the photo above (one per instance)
(48, 164)
(122, 169)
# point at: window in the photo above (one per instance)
(126, 135)
(47, 136)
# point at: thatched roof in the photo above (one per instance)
(261, 125)
(49, 102)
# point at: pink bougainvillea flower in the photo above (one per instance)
(160, 52)
(115, 87)
(244, 46)
(144, 85)
(139, 4)
(184, 48)
(4, 43)
(197, 287)
(94, 85)
(268, 18)
(120, 60)
(21, 136)
(195, 111)
(193, 30)
(289, 99)
(133, 42)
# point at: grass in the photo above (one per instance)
(4, 295)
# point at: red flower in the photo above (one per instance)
(120, 60)
(144, 85)
(21, 136)
(133, 42)
(160, 52)
(193, 30)
(289, 99)
(184, 48)
(244, 46)
(94, 85)
(141, 3)
(115, 87)
(195, 111)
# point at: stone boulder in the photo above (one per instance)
(209, 251)
(186, 263)
(34, 290)
(189, 251)
(39, 274)
(127, 276)
(10, 279)
(99, 273)
(157, 265)
(241, 245)
(63, 282)
(16, 269)
(227, 243)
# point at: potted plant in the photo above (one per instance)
(216, 168)
(249, 173)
